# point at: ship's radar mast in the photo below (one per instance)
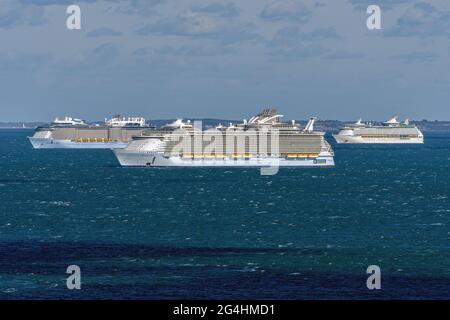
(392, 122)
(266, 116)
(180, 124)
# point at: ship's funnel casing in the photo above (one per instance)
(310, 126)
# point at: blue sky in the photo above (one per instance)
(224, 59)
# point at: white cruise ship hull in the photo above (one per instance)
(360, 140)
(155, 159)
(49, 143)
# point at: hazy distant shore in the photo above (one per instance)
(321, 125)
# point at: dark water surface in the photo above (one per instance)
(225, 233)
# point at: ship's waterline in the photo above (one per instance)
(377, 140)
(155, 159)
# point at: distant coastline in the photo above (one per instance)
(321, 125)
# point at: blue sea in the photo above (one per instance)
(174, 233)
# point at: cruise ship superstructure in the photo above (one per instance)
(261, 141)
(391, 131)
(71, 133)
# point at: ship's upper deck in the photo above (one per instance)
(266, 119)
(393, 126)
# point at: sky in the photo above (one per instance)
(224, 59)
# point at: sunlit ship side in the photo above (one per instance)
(71, 133)
(295, 147)
(390, 132)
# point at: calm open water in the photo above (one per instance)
(225, 233)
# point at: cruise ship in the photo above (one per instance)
(391, 131)
(262, 141)
(72, 133)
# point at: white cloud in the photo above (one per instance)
(139, 7)
(14, 13)
(416, 57)
(103, 32)
(217, 8)
(289, 10)
(292, 36)
(384, 4)
(195, 51)
(196, 25)
(422, 20)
